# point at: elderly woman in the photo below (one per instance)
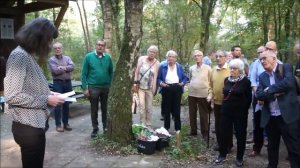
(145, 83)
(236, 102)
(171, 78)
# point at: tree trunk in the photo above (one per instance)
(84, 32)
(86, 27)
(119, 116)
(107, 23)
(207, 7)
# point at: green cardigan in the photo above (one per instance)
(96, 72)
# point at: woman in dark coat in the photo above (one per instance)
(236, 102)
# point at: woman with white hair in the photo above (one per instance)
(145, 83)
(171, 78)
(236, 102)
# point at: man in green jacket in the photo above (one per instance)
(96, 77)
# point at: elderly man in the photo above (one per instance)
(280, 113)
(271, 46)
(219, 73)
(61, 67)
(200, 94)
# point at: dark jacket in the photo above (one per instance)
(287, 100)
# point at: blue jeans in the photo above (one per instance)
(62, 112)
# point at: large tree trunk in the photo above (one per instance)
(119, 116)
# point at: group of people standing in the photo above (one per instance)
(228, 89)
(224, 88)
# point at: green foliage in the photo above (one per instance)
(190, 148)
(102, 144)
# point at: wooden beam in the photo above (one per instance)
(60, 15)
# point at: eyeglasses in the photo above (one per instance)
(271, 49)
(220, 56)
(262, 58)
(259, 52)
(101, 45)
(233, 68)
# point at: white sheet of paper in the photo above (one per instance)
(67, 97)
(70, 99)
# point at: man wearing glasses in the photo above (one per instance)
(280, 112)
(96, 77)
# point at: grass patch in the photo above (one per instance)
(108, 147)
(190, 148)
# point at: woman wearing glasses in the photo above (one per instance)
(236, 102)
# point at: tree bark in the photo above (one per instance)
(84, 32)
(107, 23)
(119, 116)
(206, 7)
(88, 37)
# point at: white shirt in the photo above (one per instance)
(172, 76)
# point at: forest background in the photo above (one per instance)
(131, 26)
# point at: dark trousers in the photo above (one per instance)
(62, 112)
(172, 101)
(32, 142)
(218, 126)
(239, 121)
(96, 95)
(277, 128)
(201, 105)
(258, 132)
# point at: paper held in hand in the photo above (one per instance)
(67, 97)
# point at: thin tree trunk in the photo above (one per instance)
(84, 32)
(86, 27)
(119, 116)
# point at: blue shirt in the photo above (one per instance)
(206, 60)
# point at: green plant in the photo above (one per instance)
(108, 147)
(190, 147)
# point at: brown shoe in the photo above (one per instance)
(253, 154)
(67, 127)
(59, 129)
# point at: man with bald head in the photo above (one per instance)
(258, 137)
(271, 46)
(61, 67)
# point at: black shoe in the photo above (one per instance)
(220, 160)
(239, 163)
(94, 133)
